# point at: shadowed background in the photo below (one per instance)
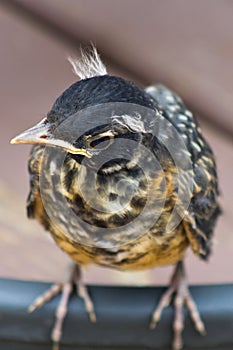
(186, 45)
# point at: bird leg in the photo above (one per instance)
(74, 279)
(183, 297)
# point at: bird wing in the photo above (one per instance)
(200, 216)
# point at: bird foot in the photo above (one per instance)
(65, 289)
(183, 297)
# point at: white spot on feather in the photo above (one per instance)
(196, 146)
(188, 113)
(53, 168)
(173, 108)
(169, 98)
(183, 117)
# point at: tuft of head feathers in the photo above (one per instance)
(89, 65)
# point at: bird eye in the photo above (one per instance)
(100, 143)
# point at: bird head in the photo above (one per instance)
(95, 89)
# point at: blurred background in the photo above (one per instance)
(187, 45)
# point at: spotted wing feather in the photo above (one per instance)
(203, 210)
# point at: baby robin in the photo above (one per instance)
(122, 177)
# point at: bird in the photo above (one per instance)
(122, 177)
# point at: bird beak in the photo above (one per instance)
(41, 134)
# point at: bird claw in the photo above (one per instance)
(183, 297)
(45, 297)
(66, 290)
